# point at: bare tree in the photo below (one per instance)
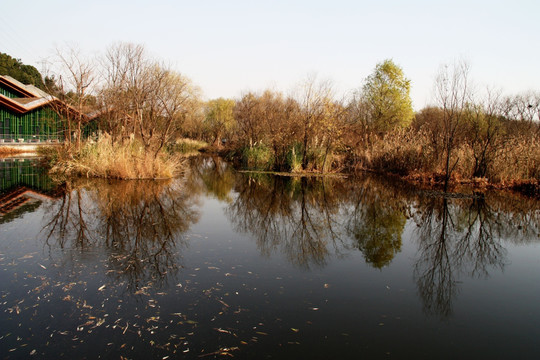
(453, 94)
(248, 113)
(75, 88)
(317, 113)
(523, 111)
(269, 120)
(483, 132)
(144, 98)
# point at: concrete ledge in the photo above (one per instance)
(26, 146)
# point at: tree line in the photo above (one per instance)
(464, 135)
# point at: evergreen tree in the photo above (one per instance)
(27, 74)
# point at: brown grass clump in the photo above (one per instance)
(403, 152)
(188, 146)
(105, 159)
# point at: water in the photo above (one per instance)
(219, 263)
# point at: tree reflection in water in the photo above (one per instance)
(463, 237)
(307, 219)
(376, 221)
(312, 219)
(212, 176)
(138, 222)
(297, 215)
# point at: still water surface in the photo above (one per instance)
(219, 263)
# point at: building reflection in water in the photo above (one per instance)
(23, 186)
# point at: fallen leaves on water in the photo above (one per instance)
(225, 351)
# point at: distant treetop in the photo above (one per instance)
(27, 74)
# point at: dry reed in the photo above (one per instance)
(106, 159)
(413, 154)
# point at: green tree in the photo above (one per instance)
(386, 92)
(27, 74)
(219, 118)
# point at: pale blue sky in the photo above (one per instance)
(227, 47)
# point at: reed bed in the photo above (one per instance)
(515, 160)
(106, 159)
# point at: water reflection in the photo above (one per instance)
(23, 186)
(310, 221)
(211, 176)
(465, 237)
(139, 223)
(111, 271)
(298, 216)
(375, 220)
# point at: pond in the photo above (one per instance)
(219, 264)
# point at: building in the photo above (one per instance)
(30, 115)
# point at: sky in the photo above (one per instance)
(230, 47)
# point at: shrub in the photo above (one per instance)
(294, 158)
(258, 157)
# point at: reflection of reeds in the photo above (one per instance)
(5, 151)
(114, 195)
(115, 160)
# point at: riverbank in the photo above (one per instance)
(404, 160)
(343, 166)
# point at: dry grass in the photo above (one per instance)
(411, 154)
(105, 159)
(402, 152)
(519, 160)
(188, 146)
